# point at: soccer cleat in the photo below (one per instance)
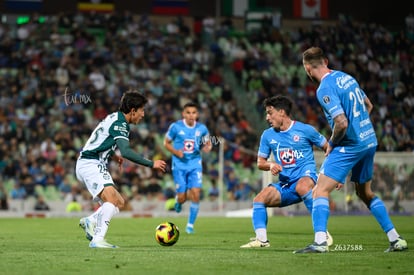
(189, 230)
(88, 226)
(314, 248)
(101, 244)
(329, 239)
(398, 245)
(177, 207)
(255, 243)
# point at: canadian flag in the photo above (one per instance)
(310, 9)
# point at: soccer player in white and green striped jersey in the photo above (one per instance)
(91, 166)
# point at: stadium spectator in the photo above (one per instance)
(232, 182)
(213, 191)
(73, 206)
(18, 192)
(41, 204)
(4, 198)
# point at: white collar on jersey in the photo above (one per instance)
(188, 126)
(290, 126)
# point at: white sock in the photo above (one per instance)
(108, 210)
(320, 237)
(392, 235)
(261, 234)
(94, 216)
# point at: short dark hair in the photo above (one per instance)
(132, 99)
(279, 102)
(190, 104)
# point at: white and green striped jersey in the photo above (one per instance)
(102, 142)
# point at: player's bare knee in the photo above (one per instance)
(303, 189)
(258, 197)
(304, 186)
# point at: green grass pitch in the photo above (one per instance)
(58, 246)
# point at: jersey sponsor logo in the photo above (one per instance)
(367, 133)
(326, 99)
(364, 122)
(120, 128)
(125, 134)
(189, 145)
(345, 81)
(287, 157)
(273, 141)
(106, 176)
(181, 133)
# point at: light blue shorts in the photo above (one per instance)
(187, 179)
(338, 164)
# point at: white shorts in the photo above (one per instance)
(94, 174)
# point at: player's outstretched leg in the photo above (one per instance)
(379, 211)
(259, 220)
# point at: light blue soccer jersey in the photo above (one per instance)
(190, 140)
(292, 149)
(340, 93)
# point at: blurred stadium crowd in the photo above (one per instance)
(60, 77)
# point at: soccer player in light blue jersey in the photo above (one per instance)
(91, 167)
(186, 139)
(291, 142)
(352, 147)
